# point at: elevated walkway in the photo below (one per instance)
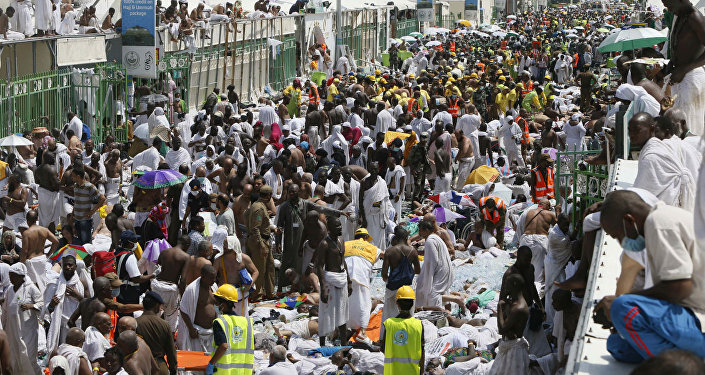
(588, 354)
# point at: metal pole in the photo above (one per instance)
(338, 28)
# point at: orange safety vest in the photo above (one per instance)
(543, 189)
(452, 46)
(454, 108)
(525, 130)
(503, 44)
(439, 48)
(413, 103)
(481, 66)
(575, 60)
(492, 216)
(313, 97)
(529, 87)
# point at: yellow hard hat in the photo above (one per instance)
(405, 292)
(499, 71)
(378, 72)
(502, 78)
(473, 75)
(227, 291)
(411, 76)
(363, 231)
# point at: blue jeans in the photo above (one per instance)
(84, 231)
(647, 326)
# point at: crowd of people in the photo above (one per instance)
(260, 234)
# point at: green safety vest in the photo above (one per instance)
(240, 356)
(402, 346)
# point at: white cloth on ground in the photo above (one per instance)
(436, 275)
(334, 313)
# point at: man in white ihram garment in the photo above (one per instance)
(21, 22)
(61, 299)
(436, 275)
(375, 204)
(661, 171)
(469, 123)
(43, 16)
(559, 252)
(21, 307)
(511, 136)
(360, 256)
(177, 155)
(396, 180)
(188, 307)
(385, 120)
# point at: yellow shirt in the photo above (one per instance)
(332, 92)
(502, 101)
(512, 97)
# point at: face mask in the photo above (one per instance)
(217, 310)
(633, 244)
(194, 192)
(115, 292)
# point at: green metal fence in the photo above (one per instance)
(35, 100)
(406, 27)
(282, 71)
(97, 96)
(446, 21)
(580, 182)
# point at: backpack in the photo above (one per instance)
(104, 262)
(402, 275)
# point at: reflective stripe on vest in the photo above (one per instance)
(575, 60)
(529, 87)
(239, 358)
(402, 346)
(452, 46)
(313, 97)
(543, 189)
(454, 108)
(413, 102)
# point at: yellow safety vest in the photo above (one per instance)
(240, 356)
(402, 346)
(362, 249)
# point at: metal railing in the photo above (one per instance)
(405, 27)
(585, 183)
(44, 99)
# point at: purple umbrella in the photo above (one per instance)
(159, 179)
(442, 214)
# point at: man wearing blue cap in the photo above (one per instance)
(127, 270)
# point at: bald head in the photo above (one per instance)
(127, 342)
(678, 118)
(247, 190)
(200, 172)
(278, 354)
(75, 337)
(641, 128)
(429, 217)
(545, 204)
(127, 323)
(101, 285)
(620, 209)
(102, 322)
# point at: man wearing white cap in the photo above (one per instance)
(22, 305)
(574, 132)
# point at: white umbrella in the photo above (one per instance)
(436, 30)
(511, 16)
(499, 34)
(408, 38)
(433, 43)
(14, 141)
(142, 132)
(571, 36)
(579, 28)
(481, 34)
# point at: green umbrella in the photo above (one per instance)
(416, 34)
(512, 33)
(630, 39)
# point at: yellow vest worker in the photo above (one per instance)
(233, 338)
(403, 339)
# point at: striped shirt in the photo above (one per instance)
(85, 197)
